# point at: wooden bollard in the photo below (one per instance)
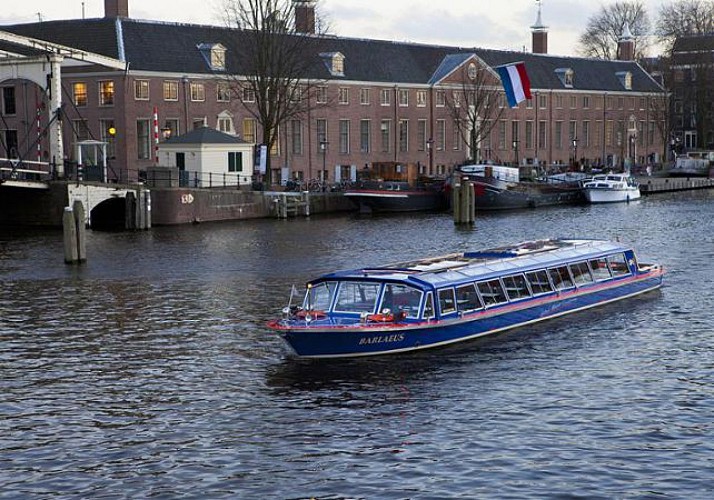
(79, 216)
(70, 237)
(463, 202)
(74, 231)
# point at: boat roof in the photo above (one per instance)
(483, 264)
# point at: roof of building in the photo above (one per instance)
(205, 135)
(174, 48)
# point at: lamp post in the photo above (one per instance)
(515, 148)
(323, 150)
(575, 151)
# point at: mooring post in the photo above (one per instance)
(70, 236)
(306, 197)
(463, 202)
(456, 202)
(79, 216)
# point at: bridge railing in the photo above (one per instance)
(14, 169)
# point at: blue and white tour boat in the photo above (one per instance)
(437, 301)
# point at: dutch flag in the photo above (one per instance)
(515, 82)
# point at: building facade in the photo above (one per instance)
(377, 101)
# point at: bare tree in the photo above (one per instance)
(474, 105)
(605, 28)
(275, 58)
(684, 17)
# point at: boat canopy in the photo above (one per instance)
(455, 268)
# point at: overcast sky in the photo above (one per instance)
(493, 24)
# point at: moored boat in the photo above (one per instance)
(395, 196)
(611, 188)
(692, 164)
(499, 187)
(436, 301)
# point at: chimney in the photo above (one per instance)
(626, 45)
(304, 16)
(116, 8)
(539, 35)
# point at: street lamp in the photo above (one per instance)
(575, 151)
(515, 148)
(323, 150)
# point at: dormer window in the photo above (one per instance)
(215, 55)
(335, 62)
(566, 77)
(625, 78)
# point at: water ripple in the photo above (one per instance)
(148, 371)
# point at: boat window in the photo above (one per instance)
(398, 298)
(429, 306)
(539, 282)
(357, 296)
(600, 269)
(319, 297)
(561, 278)
(516, 287)
(618, 264)
(467, 298)
(492, 292)
(581, 273)
(447, 304)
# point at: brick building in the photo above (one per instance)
(388, 100)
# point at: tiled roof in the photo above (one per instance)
(171, 47)
(205, 135)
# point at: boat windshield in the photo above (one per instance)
(319, 297)
(401, 298)
(356, 297)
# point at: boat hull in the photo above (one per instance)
(605, 195)
(524, 195)
(397, 201)
(365, 340)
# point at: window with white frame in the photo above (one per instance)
(403, 98)
(250, 129)
(223, 92)
(79, 92)
(248, 95)
(235, 162)
(171, 90)
(385, 128)
(385, 97)
(364, 136)
(421, 98)
(141, 90)
(440, 135)
(198, 92)
(421, 134)
(343, 95)
(321, 94)
(344, 136)
(403, 136)
(440, 98)
(106, 93)
(143, 139)
(364, 97)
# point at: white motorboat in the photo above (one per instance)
(611, 188)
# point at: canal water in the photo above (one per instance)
(148, 372)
